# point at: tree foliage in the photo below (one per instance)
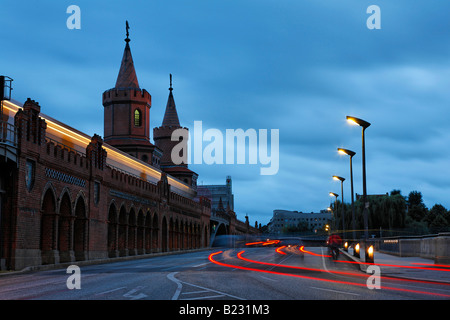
(394, 214)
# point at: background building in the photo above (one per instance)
(283, 219)
(218, 193)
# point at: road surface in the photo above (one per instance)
(250, 273)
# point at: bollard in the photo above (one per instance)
(356, 250)
(369, 254)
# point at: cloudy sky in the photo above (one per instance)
(299, 66)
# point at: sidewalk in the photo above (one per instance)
(414, 268)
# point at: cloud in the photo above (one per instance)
(296, 66)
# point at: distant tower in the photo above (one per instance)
(162, 137)
(127, 113)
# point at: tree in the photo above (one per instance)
(437, 219)
(415, 198)
(439, 224)
(416, 207)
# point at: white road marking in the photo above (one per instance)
(323, 261)
(200, 265)
(109, 291)
(337, 291)
(131, 294)
(208, 297)
(171, 276)
(269, 279)
(195, 292)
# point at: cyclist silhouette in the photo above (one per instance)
(334, 242)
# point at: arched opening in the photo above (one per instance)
(190, 237)
(132, 232)
(177, 235)
(140, 233)
(48, 225)
(171, 234)
(122, 236)
(221, 230)
(112, 231)
(155, 230)
(182, 235)
(64, 229)
(205, 237)
(164, 234)
(148, 232)
(80, 230)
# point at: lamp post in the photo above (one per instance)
(342, 203)
(364, 125)
(332, 194)
(351, 154)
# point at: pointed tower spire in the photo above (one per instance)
(127, 74)
(171, 115)
(127, 113)
(220, 205)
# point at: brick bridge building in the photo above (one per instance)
(67, 197)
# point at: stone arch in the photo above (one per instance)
(155, 233)
(177, 234)
(221, 229)
(171, 234)
(48, 226)
(65, 233)
(140, 237)
(112, 230)
(205, 236)
(196, 235)
(148, 232)
(123, 231)
(132, 231)
(164, 234)
(80, 228)
(182, 234)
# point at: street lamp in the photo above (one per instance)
(342, 202)
(332, 194)
(364, 125)
(351, 154)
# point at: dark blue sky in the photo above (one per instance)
(297, 66)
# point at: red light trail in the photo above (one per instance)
(302, 249)
(279, 250)
(212, 255)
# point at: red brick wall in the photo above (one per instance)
(68, 232)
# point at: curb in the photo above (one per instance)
(96, 261)
(363, 268)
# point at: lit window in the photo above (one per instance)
(137, 118)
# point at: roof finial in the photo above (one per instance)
(127, 27)
(170, 82)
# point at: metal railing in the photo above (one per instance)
(8, 134)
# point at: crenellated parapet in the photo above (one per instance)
(96, 153)
(127, 95)
(30, 126)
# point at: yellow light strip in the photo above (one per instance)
(115, 155)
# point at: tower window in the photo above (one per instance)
(137, 118)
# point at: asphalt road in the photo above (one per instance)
(251, 273)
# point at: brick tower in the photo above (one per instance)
(127, 113)
(162, 137)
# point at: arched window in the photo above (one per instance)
(137, 118)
